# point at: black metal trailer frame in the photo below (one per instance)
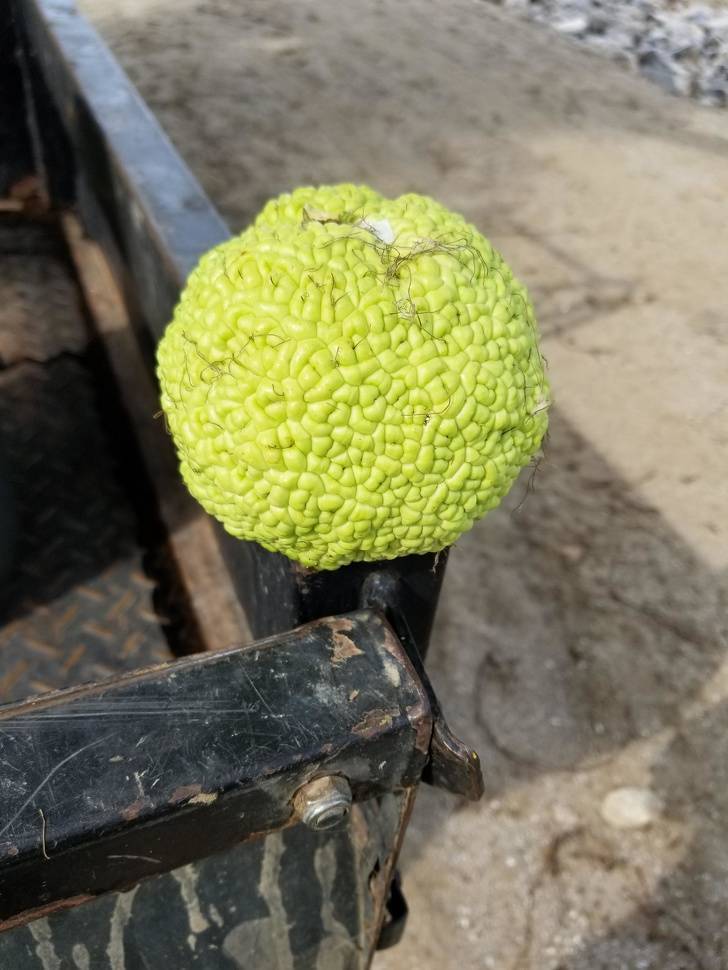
(274, 780)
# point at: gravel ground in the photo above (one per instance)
(679, 45)
(581, 644)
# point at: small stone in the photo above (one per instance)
(631, 808)
(682, 36)
(663, 71)
(718, 23)
(572, 25)
(573, 552)
(598, 23)
(701, 14)
(713, 99)
(564, 816)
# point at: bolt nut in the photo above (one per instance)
(323, 803)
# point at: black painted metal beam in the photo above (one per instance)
(106, 784)
(159, 217)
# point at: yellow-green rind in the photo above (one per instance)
(337, 396)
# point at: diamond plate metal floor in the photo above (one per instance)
(77, 604)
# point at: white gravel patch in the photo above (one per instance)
(681, 46)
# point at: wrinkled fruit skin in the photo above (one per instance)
(352, 378)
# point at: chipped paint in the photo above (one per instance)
(358, 828)
(373, 722)
(418, 716)
(390, 643)
(81, 957)
(41, 932)
(392, 672)
(117, 924)
(299, 743)
(344, 647)
(187, 878)
(252, 944)
(339, 624)
(183, 793)
(215, 914)
(338, 953)
(270, 890)
(133, 811)
(337, 949)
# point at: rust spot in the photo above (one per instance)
(30, 914)
(339, 624)
(183, 793)
(419, 717)
(344, 646)
(132, 811)
(391, 644)
(344, 649)
(373, 722)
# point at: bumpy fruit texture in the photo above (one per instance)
(352, 378)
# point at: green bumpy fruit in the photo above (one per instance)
(352, 378)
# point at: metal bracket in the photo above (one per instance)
(452, 764)
(164, 766)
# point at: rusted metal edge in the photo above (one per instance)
(208, 588)
(452, 764)
(41, 912)
(379, 886)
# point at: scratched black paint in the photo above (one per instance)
(109, 783)
(219, 914)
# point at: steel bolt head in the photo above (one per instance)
(323, 803)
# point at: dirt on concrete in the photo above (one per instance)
(582, 640)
